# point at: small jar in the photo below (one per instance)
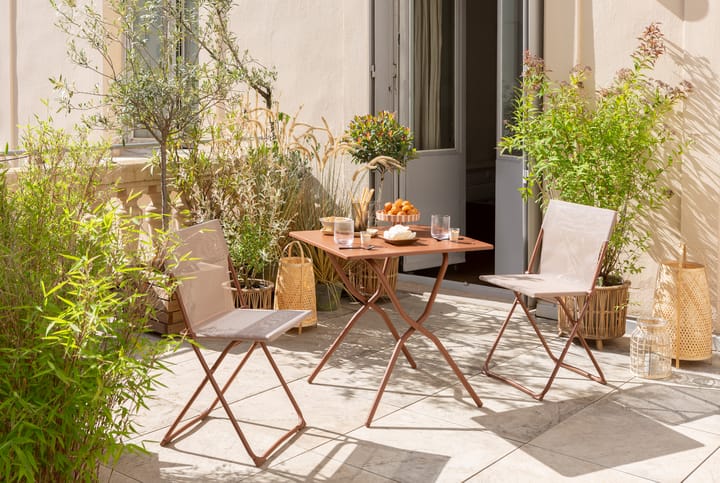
(651, 349)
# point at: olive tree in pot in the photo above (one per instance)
(609, 149)
(245, 172)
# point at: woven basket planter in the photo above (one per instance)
(259, 296)
(605, 317)
(365, 279)
(682, 298)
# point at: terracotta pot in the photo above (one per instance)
(327, 296)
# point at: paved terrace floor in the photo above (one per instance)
(427, 428)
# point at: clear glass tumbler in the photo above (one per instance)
(454, 234)
(344, 231)
(365, 239)
(440, 227)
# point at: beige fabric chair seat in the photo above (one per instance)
(245, 324)
(540, 286)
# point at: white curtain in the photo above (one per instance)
(427, 43)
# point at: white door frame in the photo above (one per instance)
(516, 222)
(435, 180)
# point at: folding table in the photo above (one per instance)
(378, 260)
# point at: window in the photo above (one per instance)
(160, 44)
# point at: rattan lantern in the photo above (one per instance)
(683, 299)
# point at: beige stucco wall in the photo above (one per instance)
(40, 53)
(321, 50)
(608, 34)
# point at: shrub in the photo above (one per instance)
(74, 361)
(609, 149)
(379, 143)
(249, 175)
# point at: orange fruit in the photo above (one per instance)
(388, 206)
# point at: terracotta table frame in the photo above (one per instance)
(378, 260)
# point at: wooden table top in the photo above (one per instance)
(424, 244)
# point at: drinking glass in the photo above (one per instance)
(365, 239)
(454, 234)
(440, 227)
(344, 231)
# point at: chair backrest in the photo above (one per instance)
(573, 238)
(201, 256)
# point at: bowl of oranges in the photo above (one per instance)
(399, 211)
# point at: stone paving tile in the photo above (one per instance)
(427, 428)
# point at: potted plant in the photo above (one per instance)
(380, 144)
(249, 244)
(609, 149)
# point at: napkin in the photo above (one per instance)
(399, 232)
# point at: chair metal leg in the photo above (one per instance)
(558, 360)
(171, 432)
(258, 460)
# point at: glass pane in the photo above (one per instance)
(433, 51)
(511, 57)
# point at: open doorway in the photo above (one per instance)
(480, 92)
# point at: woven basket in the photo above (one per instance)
(295, 284)
(605, 317)
(683, 299)
(258, 297)
(365, 279)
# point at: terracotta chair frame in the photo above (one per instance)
(204, 272)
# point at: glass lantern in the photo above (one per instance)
(651, 349)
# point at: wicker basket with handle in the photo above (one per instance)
(295, 284)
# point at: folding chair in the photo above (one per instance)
(571, 245)
(204, 272)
